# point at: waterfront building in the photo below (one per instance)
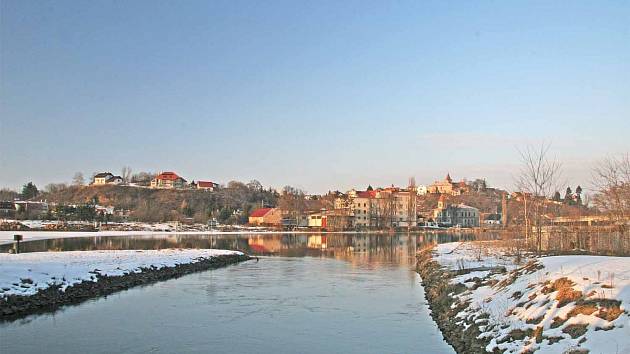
(265, 217)
(460, 215)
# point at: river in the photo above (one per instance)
(307, 293)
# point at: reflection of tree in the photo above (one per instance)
(372, 249)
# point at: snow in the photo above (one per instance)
(26, 273)
(597, 278)
(139, 229)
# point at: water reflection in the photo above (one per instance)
(363, 248)
(352, 293)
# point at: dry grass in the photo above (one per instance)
(557, 322)
(575, 330)
(566, 293)
(587, 308)
(609, 313)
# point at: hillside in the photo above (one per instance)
(147, 204)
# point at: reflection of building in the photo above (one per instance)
(266, 244)
(455, 215)
(317, 242)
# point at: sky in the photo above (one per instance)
(321, 95)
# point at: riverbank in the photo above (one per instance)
(483, 300)
(44, 281)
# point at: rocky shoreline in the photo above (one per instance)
(47, 300)
(439, 293)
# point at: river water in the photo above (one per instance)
(306, 294)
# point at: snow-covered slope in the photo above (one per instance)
(545, 305)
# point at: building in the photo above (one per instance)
(422, 189)
(265, 217)
(206, 185)
(335, 219)
(361, 207)
(384, 208)
(447, 186)
(168, 180)
(459, 215)
(7, 209)
(492, 219)
(104, 178)
(31, 209)
(317, 220)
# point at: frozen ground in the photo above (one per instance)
(545, 305)
(26, 273)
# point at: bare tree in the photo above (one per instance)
(611, 180)
(143, 178)
(537, 180)
(292, 202)
(52, 188)
(126, 174)
(78, 179)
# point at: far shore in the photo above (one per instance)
(6, 237)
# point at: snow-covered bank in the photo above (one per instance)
(544, 305)
(26, 273)
(30, 282)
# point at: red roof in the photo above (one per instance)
(205, 184)
(366, 194)
(171, 176)
(258, 213)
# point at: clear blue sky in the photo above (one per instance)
(320, 95)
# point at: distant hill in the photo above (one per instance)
(148, 204)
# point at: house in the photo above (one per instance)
(492, 219)
(317, 220)
(456, 215)
(206, 185)
(265, 217)
(104, 178)
(104, 210)
(168, 180)
(115, 180)
(422, 189)
(447, 186)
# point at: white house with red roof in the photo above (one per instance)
(168, 180)
(206, 185)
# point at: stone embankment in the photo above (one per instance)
(439, 292)
(51, 298)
